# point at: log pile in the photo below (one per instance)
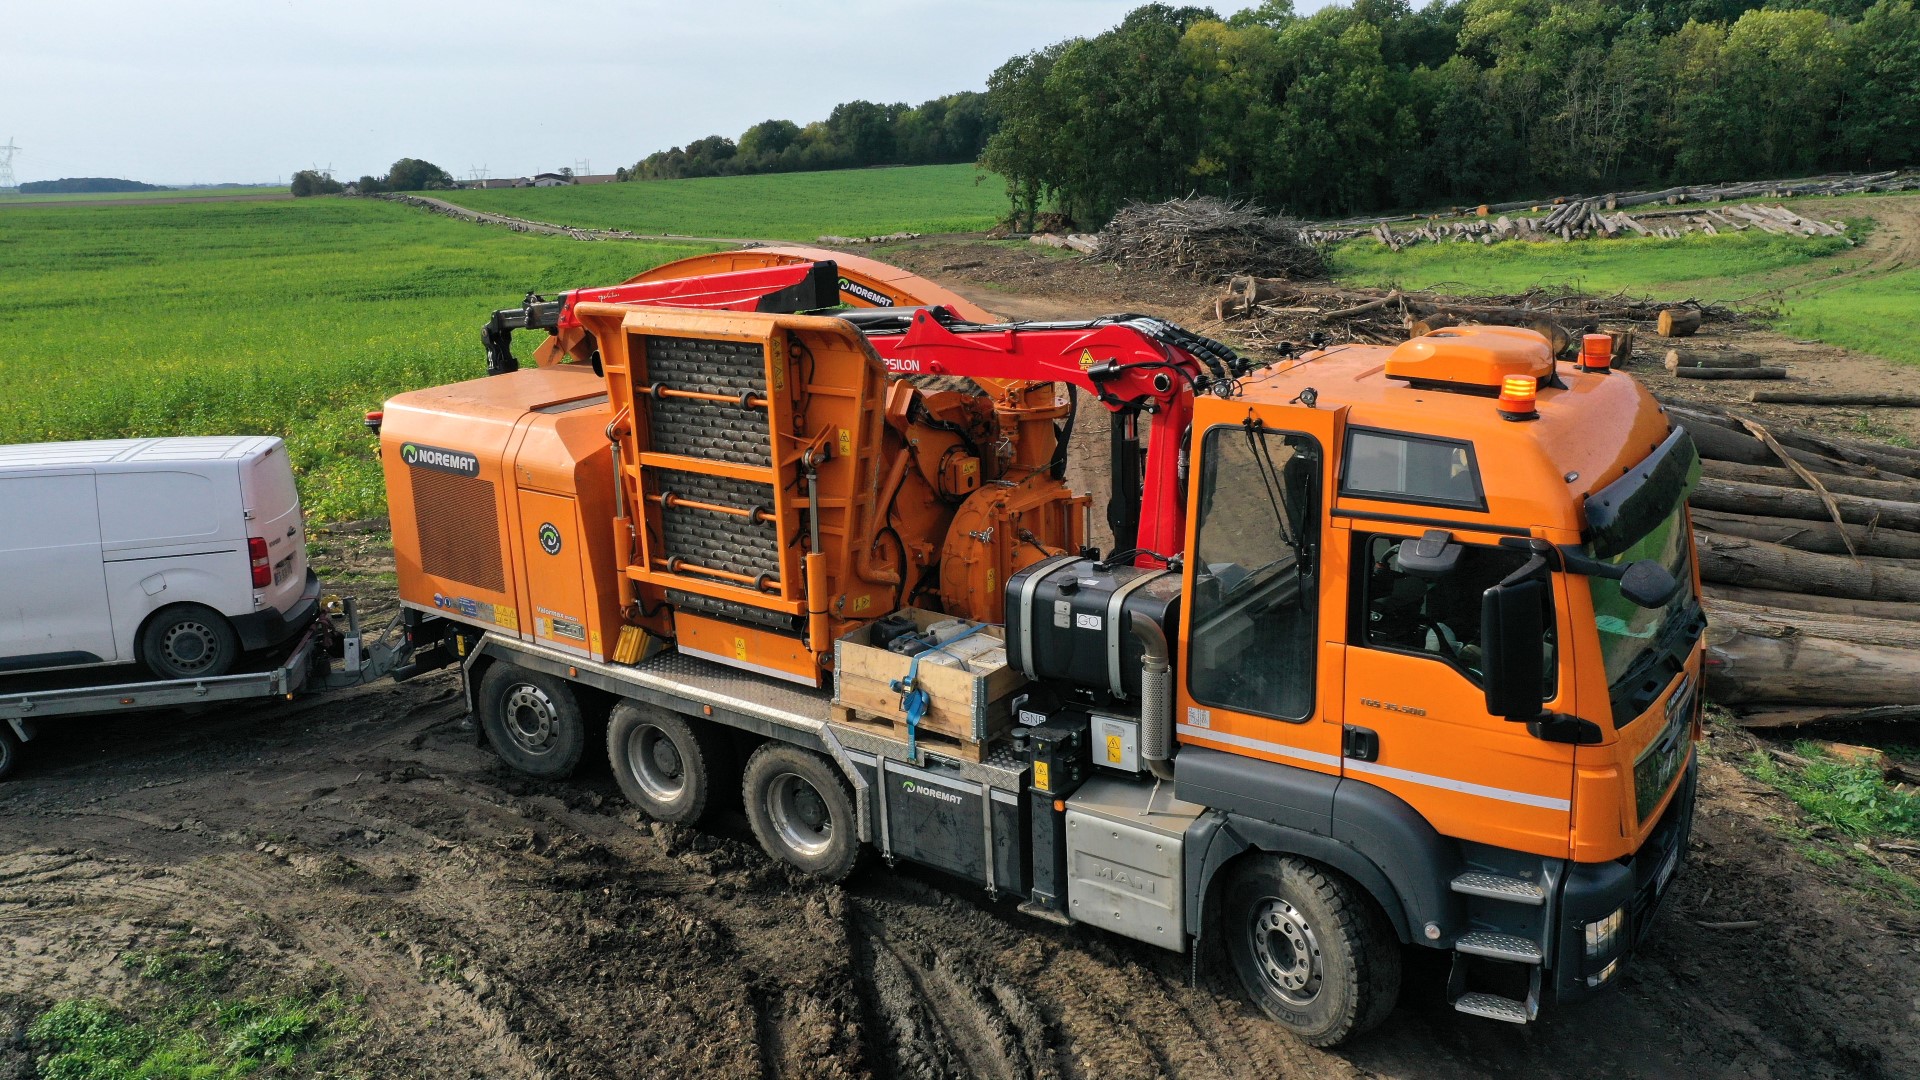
(1809, 550)
(1590, 219)
(1208, 239)
(1270, 311)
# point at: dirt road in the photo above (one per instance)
(499, 927)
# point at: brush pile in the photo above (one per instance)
(1208, 239)
(1809, 549)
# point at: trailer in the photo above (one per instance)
(330, 654)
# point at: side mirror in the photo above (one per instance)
(1434, 555)
(1647, 584)
(1512, 626)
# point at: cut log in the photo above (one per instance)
(1747, 666)
(1723, 438)
(1817, 536)
(1842, 485)
(1836, 397)
(1826, 605)
(1730, 373)
(1713, 359)
(1734, 497)
(1768, 717)
(1756, 564)
(1678, 322)
(1805, 475)
(1622, 346)
(1775, 622)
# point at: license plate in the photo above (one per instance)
(281, 569)
(1667, 866)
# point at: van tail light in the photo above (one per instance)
(262, 567)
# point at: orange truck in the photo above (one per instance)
(1396, 648)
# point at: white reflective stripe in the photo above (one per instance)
(1283, 750)
(1245, 743)
(1481, 790)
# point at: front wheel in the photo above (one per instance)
(801, 811)
(533, 721)
(1311, 950)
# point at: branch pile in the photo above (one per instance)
(1269, 310)
(1809, 548)
(1208, 239)
(1590, 219)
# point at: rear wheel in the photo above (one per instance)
(667, 765)
(10, 750)
(533, 720)
(1310, 948)
(188, 641)
(802, 811)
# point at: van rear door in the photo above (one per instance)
(267, 491)
(53, 586)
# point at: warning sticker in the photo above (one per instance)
(506, 616)
(1040, 778)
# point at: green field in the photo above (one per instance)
(287, 318)
(779, 206)
(1824, 288)
(122, 196)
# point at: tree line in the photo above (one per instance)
(1377, 105)
(407, 174)
(856, 134)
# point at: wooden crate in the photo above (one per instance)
(966, 706)
(926, 742)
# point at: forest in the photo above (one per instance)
(857, 134)
(1377, 105)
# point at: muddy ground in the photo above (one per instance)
(499, 927)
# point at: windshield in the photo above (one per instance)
(1629, 633)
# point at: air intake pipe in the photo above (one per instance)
(1156, 698)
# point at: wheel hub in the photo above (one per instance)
(799, 814)
(531, 717)
(189, 646)
(1287, 951)
(656, 763)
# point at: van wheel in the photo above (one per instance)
(1312, 951)
(533, 721)
(667, 765)
(802, 811)
(10, 750)
(188, 641)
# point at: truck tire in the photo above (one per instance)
(669, 766)
(188, 641)
(1311, 950)
(533, 721)
(802, 811)
(10, 750)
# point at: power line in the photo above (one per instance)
(6, 165)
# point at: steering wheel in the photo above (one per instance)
(1434, 626)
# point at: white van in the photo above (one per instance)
(179, 554)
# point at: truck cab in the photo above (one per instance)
(1411, 644)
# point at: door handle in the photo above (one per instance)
(1360, 744)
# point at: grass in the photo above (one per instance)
(192, 1015)
(283, 318)
(7, 200)
(1853, 800)
(778, 206)
(1816, 281)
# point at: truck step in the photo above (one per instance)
(1498, 947)
(1500, 887)
(1493, 1007)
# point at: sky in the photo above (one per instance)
(206, 91)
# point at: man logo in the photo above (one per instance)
(549, 538)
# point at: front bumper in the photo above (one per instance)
(1635, 884)
(265, 629)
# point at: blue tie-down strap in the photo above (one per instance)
(913, 700)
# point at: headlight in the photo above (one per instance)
(1603, 974)
(1603, 936)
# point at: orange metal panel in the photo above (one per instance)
(746, 647)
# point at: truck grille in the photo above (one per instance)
(456, 518)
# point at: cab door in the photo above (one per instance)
(1257, 676)
(1416, 716)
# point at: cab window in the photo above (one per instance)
(1433, 617)
(1252, 644)
(1398, 467)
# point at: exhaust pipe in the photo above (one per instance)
(1156, 699)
